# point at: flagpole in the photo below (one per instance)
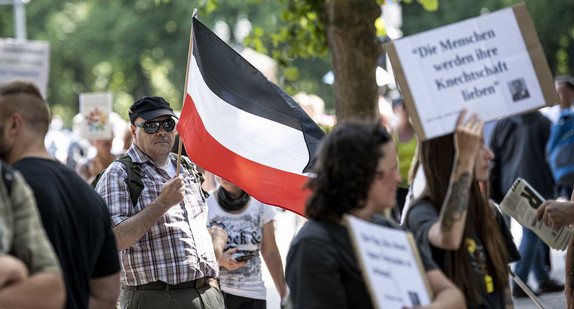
(179, 147)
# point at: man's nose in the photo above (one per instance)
(161, 130)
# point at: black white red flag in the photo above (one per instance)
(238, 125)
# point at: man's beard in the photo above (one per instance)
(3, 151)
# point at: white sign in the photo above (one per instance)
(482, 64)
(391, 267)
(96, 109)
(25, 60)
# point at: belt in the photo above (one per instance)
(159, 285)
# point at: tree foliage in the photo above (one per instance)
(139, 47)
(554, 23)
(131, 48)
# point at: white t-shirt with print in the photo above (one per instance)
(244, 231)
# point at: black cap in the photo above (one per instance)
(149, 108)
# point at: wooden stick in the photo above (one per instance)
(526, 289)
(194, 15)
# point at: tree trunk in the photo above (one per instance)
(351, 35)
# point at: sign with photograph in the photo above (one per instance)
(25, 60)
(96, 109)
(391, 265)
(493, 65)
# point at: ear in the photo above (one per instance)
(15, 124)
(133, 131)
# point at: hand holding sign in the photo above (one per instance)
(467, 137)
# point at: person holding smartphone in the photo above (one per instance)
(250, 230)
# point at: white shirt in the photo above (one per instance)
(244, 231)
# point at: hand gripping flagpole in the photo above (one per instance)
(194, 15)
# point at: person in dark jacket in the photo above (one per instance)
(519, 144)
(357, 174)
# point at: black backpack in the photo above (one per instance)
(135, 175)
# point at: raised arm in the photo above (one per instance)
(272, 258)
(129, 231)
(448, 231)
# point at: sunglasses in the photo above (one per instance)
(151, 127)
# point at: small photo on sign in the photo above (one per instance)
(518, 89)
(414, 297)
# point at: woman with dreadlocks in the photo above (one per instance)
(454, 220)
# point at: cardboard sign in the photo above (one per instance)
(391, 265)
(493, 65)
(96, 109)
(25, 60)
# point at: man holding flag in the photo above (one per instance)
(243, 127)
(165, 248)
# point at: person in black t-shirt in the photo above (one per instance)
(75, 217)
(356, 173)
(454, 220)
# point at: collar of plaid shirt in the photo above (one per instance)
(178, 247)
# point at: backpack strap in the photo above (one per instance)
(7, 177)
(135, 175)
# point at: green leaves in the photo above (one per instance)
(291, 73)
(429, 5)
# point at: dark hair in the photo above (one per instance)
(566, 80)
(345, 169)
(25, 98)
(437, 156)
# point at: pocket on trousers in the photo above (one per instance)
(214, 297)
(129, 299)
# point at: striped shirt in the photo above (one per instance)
(178, 246)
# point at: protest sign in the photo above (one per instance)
(493, 65)
(391, 265)
(96, 109)
(25, 60)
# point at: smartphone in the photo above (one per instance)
(244, 258)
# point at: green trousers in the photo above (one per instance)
(206, 297)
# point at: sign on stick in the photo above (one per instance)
(96, 109)
(25, 60)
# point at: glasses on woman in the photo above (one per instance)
(151, 127)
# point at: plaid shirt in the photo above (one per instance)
(178, 246)
(21, 232)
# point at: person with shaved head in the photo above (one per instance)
(75, 217)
